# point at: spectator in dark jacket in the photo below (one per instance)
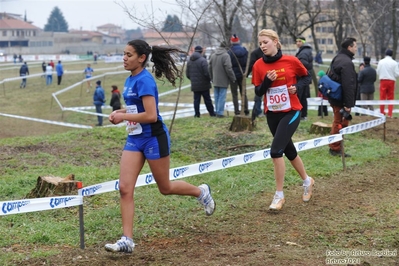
(98, 101)
(357, 98)
(23, 72)
(115, 102)
(322, 109)
(238, 55)
(318, 59)
(44, 65)
(197, 72)
(60, 71)
(366, 80)
(342, 70)
(257, 110)
(304, 54)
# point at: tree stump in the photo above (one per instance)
(48, 186)
(241, 123)
(320, 128)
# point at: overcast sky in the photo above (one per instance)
(88, 14)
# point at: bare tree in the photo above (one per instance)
(394, 10)
(297, 17)
(148, 21)
(363, 16)
(252, 17)
(380, 32)
(340, 21)
(222, 13)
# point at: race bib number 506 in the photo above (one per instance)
(278, 98)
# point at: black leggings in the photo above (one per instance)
(283, 126)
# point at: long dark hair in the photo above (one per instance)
(164, 64)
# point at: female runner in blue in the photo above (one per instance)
(148, 137)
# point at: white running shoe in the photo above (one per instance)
(277, 203)
(206, 199)
(307, 191)
(123, 245)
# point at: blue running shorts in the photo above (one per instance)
(152, 147)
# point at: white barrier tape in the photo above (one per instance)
(81, 82)
(88, 79)
(209, 166)
(107, 74)
(39, 204)
(66, 72)
(362, 126)
(113, 59)
(228, 105)
(58, 102)
(67, 88)
(317, 101)
(47, 121)
(36, 59)
(173, 91)
(165, 116)
(313, 103)
(82, 108)
(23, 77)
(377, 102)
(366, 112)
(164, 104)
(183, 114)
(86, 112)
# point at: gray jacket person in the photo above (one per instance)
(221, 73)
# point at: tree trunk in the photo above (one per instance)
(241, 123)
(320, 128)
(48, 186)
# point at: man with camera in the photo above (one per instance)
(342, 70)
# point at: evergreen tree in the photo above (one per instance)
(56, 22)
(172, 24)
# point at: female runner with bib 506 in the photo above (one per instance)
(278, 77)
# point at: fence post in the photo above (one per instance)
(343, 153)
(81, 222)
(385, 130)
(81, 227)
